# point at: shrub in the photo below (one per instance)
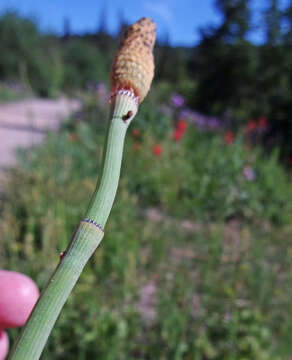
(84, 64)
(158, 288)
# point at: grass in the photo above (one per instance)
(195, 260)
(13, 92)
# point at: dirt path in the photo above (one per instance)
(26, 123)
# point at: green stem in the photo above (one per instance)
(104, 195)
(84, 242)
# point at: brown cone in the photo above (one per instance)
(133, 66)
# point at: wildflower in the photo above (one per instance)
(101, 92)
(182, 125)
(247, 147)
(78, 116)
(177, 100)
(249, 173)
(186, 113)
(136, 132)
(180, 129)
(136, 146)
(177, 134)
(289, 160)
(157, 150)
(262, 123)
(200, 120)
(73, 137)
(251, 126)
(229, 137)
(213, 123)
(148, 302)
(166, 110)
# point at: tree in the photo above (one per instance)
(287, 16)
(273, 19)
(19, 38)
(66, 28)
(236, 20)
(102, 23)
(225, 63)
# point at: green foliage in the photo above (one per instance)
(46, 73)
(158, 287)
(241, 335)
(23, 57)
(273, 17)
(19, 38)
(12, 92)
(84, 64)
(42, 62)
(227, 78)
(225, 75)
(207, 276)
(236, 19)
(202, 177)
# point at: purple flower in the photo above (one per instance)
(202, 121)
(166, 110)
(213, 123)
(249, 173)
(101, 87)
(102, 92)
(185, 113)
(177, 100)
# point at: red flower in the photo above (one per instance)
(136, 132)
(229, 137)
(177, 134)
(289, 160)
(180, 129)
(247, 147)
(73, 137)
(157, 150)
(182, 125)
(262, 123)
(251, 126)
(136, 146)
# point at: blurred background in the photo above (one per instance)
(196, 261)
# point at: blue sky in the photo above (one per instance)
(179, 19)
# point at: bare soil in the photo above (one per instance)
(26, 123)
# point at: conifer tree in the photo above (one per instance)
(287, 16)
(236, 19)
(225, 62)
(273, 19)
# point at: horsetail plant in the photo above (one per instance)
(131, 76)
